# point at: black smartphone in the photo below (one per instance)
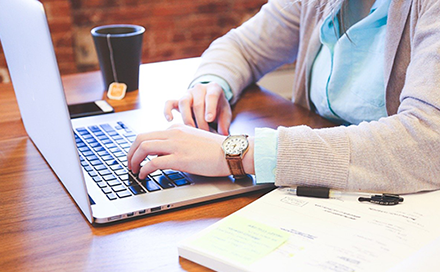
(90, 108)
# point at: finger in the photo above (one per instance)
(198, 107)
(185, 105)
(169, 106)
(212, 98)
(224, 120)
(153, 147)
(161, 162)
(156, 135)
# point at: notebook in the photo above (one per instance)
(89, 154)
(285, 232)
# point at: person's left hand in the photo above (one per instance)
(181, 148)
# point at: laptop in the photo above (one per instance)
(89, 154)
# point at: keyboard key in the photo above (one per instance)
(94, 128)
(104, 172)
(97, 179)
(115, 149)
(119, 154)
(136, 189)
(101, 184)
(106, 127)
(121, 172)
(91, 141)
(175, 176)
(103, 137)
(83, 149)
(95, 144)
(95, 162)
(123, 159)
(121, 141)
(81, 129)
(109, 177)
(122, 125)
(126, 177)
(100, 167)
(80, 144)
(112, 145)
(108, 141)
(114, 182)
(117, 167)
(87, 153)
(87, 136)
(107, 157)
(91, 157)
(111, 196)
(156, 173)
(125, 145)
(123, 194)
(101, 151)
(150, 185)
(164, 182)
(181, 182)
(106, 190)
(119, 188)
(131, 138)
(111, 162)
(129, 182)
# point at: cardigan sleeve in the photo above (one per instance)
(258, 46)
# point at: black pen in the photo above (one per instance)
(324, 192)
(313, 191)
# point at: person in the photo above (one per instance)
(372, 66)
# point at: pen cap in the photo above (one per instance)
(319, 192)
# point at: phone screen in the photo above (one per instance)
(89, 109)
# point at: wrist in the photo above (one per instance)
(236, 150)
(248, 158)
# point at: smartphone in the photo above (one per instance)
(90, 108)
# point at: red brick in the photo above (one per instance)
(174, 28)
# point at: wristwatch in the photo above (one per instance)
(235, 146)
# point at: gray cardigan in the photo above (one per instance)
(399, 153)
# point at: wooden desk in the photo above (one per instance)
(42, 229)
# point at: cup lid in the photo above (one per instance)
(117, 30)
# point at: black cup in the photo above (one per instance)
(119, 49)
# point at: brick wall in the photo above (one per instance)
(174, 28)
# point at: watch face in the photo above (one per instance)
(235, 145)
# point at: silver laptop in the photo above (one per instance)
(89, 154)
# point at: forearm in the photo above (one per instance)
(398, 154)
(245, 54)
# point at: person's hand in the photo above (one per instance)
(201, 105)
(181, 148)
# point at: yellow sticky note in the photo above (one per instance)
(241, 240)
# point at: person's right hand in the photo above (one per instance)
(201, 105)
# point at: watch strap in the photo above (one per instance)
(236, 166)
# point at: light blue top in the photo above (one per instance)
(347, 84)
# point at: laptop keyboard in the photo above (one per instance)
(103, 154)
